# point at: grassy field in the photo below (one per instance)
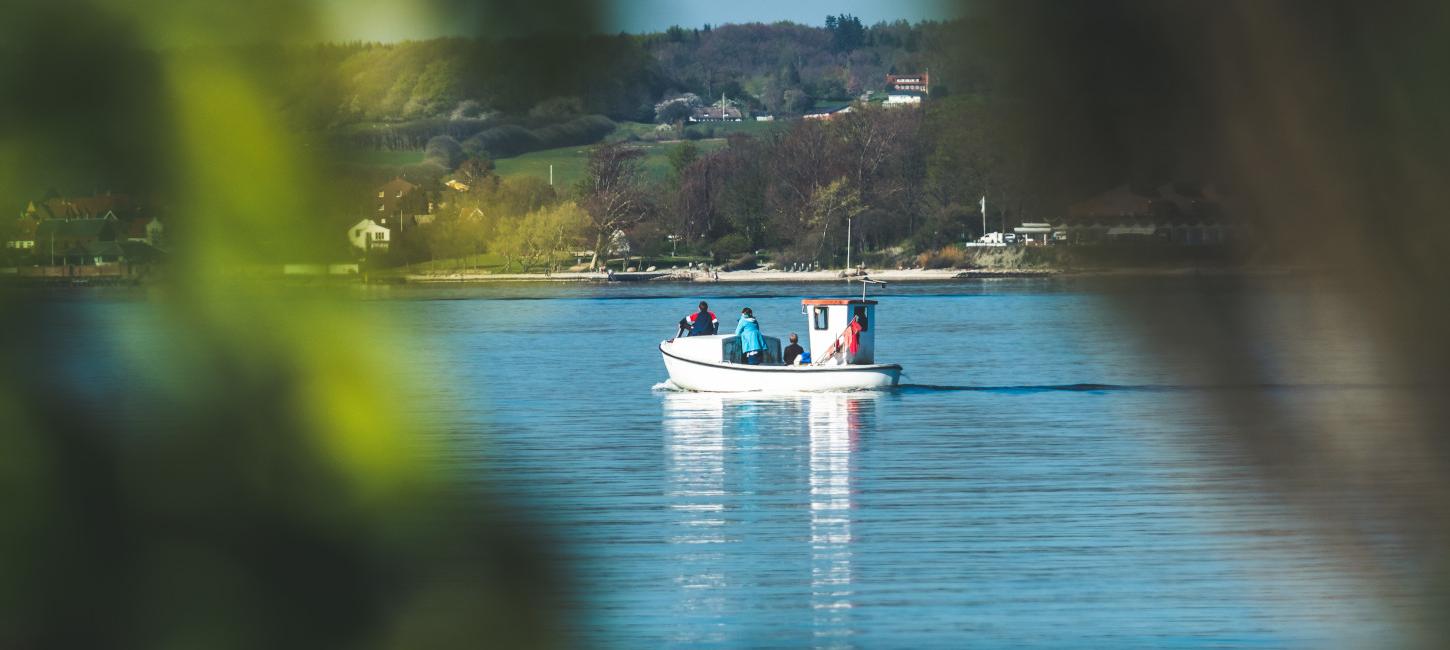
(569, 162)
(482, 263)
(719, 129)
(377, 158)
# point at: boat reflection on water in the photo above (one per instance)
(695, 492)
(728, 481)
(835, 425)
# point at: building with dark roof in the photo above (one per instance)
(398, 199)
(907, 88)
(78, 241)
(82, 207)
(717, 114)
(721, 111)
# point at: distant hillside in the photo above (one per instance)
(460, 87)
(762, 63)
(453, 78)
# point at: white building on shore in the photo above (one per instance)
(367, 235)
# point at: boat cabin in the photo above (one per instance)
(827, 321)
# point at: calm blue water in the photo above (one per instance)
(1044, 479)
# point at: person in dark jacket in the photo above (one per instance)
(700, 323)
(792, 351)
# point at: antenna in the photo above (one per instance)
(865, 281)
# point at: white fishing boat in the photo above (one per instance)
(842, 357)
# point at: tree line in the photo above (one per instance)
(896, 181)
(394, 95)
(903, 180)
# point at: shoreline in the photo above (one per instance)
(760, 276)
(754, 275)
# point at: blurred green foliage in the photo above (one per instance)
(270, 496)
(273, 498)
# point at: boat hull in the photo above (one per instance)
(716, 377)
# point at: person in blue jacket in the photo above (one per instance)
(752, 342)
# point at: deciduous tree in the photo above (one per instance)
(612, 191)
(834, 202)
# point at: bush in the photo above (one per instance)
(512, 140)
(731, 245)
(676, 108)
(556, 109)
(407, 135)
(466, 109)
(445, 151)
(502, 142)
(742, 263)
(579, 131)
(942, 258)
(673, 112)
(428, 172)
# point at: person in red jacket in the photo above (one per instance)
(848, 341)
(700, 323)
(853, 331)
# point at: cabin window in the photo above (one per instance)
(822, 321)
(865, 322)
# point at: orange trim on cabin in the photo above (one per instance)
(837, 301)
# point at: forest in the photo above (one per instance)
(457, 86)
(901, 181)
(906, 180)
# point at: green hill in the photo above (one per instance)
(569, 162)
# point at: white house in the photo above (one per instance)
(907, 89)
(149, 231)
(367, 235)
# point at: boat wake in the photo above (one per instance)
(1047, 388)
(1129, 388)
(667, 386)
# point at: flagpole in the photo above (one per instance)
(984, 216)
